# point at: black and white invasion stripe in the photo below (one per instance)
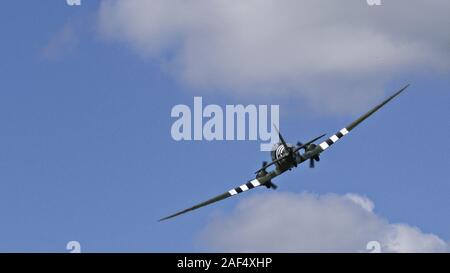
(327, 143)
(247, 186)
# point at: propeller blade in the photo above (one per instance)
(270, 185)
(300, 144)
(311, 163)
(273, 186)
(281, 138)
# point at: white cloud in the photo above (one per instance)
(362, 201)
(336, 55)
(285, 222)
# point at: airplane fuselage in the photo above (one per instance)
(279, 151)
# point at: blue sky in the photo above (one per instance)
(86, 152)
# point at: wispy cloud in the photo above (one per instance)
(284, 222)
(63, 42)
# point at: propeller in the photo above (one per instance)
(313, 159)
(290, 151)
(300, 144)
(308, 144)
(271, 185)
(262, 172)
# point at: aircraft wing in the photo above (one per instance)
(330, 141)
(321, 147)
(245, 187)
